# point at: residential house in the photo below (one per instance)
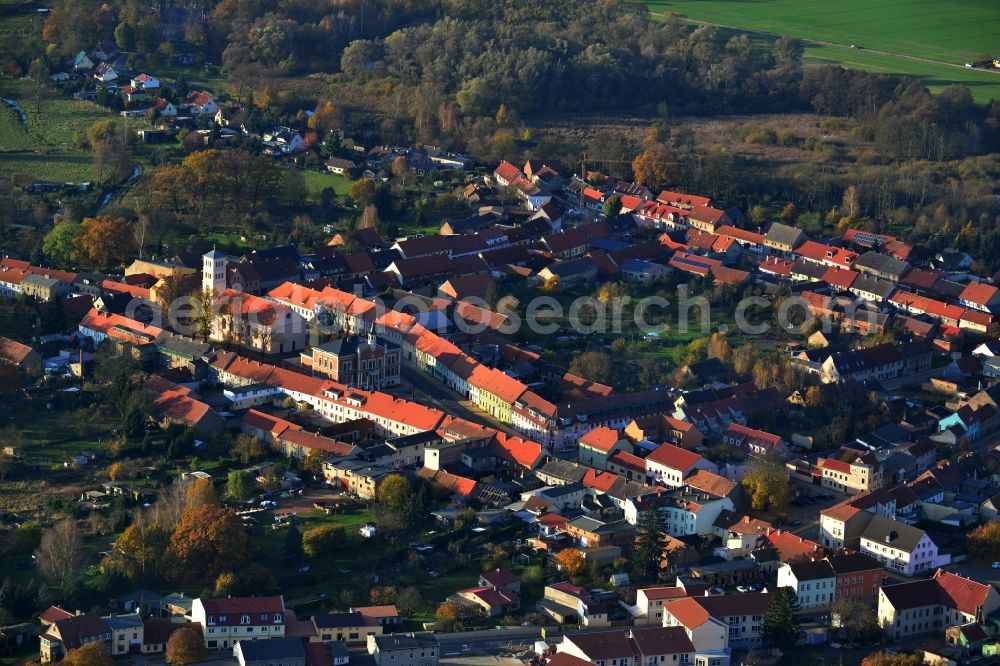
(861, 475)
(684, 510)
(908, 610)
(368, 363)
(23, 356)
(489, 601)
(782, 239)
(201, 103)
(568, 603)
(658, 428)
(350, 628)
(593, 533)
(980, 296)
(814, 582)
(900, 547)
(718, 622)
(412, 649)
(598, 445)
(226, 621)
(67, 632)
(858, 576)
(882, 266)
(273, 652)
(631, 647)
(755, 443)
(669, 464)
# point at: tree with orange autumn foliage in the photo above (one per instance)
(206, 542)
(106, 242)
(654, 167)
(198, 493)
(571, 561)
(91, 654)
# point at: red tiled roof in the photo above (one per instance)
(265, 422)
(601, 439)
(628, 460)
(673, 457)
(740, 234)
(680, 199)
(552, 520)
(840, 277)
(826, 254)
(413, 414)
(53, 613)
(500, 577)
(508, 171)
(495, 382)
(687, 611)
(524, 452)
(964, 594)
(599, 480)
(233, 607)
(791, 546)
(179, 406)
(14, 351)
(776, 266)
(264, 373)
(316, 442)
(834, 464)
(655, 593)
(979, 293)
(726, 275)
(711, 483)
(456, 484)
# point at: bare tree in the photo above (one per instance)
(169, 507)
(60, 555)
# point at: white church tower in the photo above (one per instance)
(213, 271)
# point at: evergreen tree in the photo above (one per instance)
(781, 625)
(293, 544)
(649, 546)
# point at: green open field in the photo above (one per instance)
(317, 181)
(43, 145)
(889, 33)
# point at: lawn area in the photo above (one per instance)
(317, 181)
(48, 437)
(953, 32)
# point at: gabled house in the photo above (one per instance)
(105, 73)
(900, 547)
(669, 464)
(814, 582)
(201, 103)
(226, 621)
(907, 610)
(782, 239)
(598, 445)
(68, 632)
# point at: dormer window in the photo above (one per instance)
(277, 618)
(244, 619)
(263, 617)
(222, 618)
(211, 619)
